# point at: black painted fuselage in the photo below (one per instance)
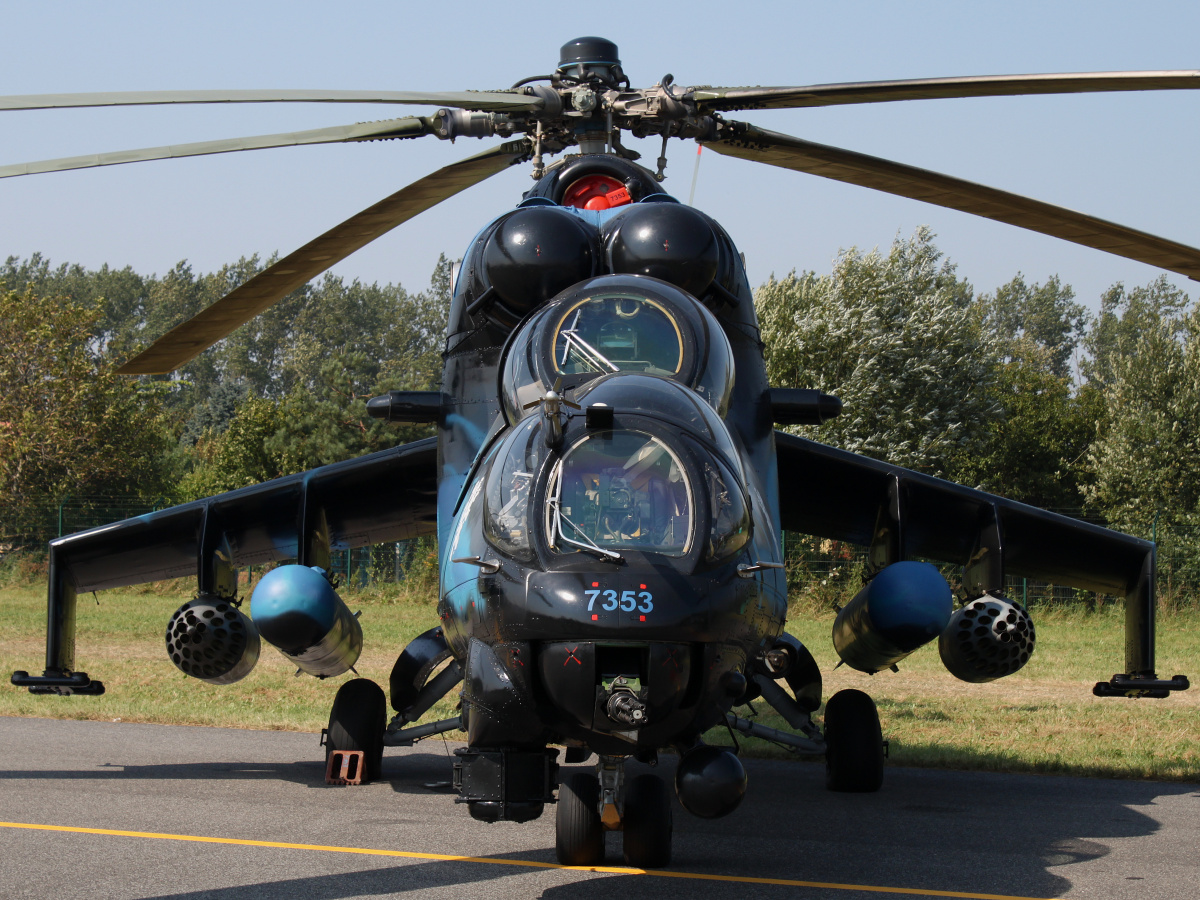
(607, 473)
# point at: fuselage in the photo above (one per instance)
(607, 475)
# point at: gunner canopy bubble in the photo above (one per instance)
(627, 324)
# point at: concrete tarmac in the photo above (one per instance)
(926, 834)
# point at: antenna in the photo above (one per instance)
(695, 175)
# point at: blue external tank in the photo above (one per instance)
(296, 609)
(905, 606)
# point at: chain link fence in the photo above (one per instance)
(818, 568)
(31, 526)
(832, 571)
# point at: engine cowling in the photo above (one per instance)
(536, 252)
(211, 639)
(987, 639)
(664, 240)
(903, 608)
(298, 611)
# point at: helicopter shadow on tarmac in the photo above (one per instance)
(389, 881)
(926, 830)
(416, 773)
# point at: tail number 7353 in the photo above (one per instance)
(629, 601)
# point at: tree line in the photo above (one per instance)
(284, 393)
(1021, 391)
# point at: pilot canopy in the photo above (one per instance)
(618, 323)
(663, 478)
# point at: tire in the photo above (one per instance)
(854, 743)
(578, 832)
(648, 820)
(357, 722)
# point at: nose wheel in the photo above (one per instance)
(589, 805)
(578, 831)
(647, 823)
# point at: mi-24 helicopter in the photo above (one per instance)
(607, 486)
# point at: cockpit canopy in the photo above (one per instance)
(663, 478)
(604, 334)
(618, 323)
(620, 490)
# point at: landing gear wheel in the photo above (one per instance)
(357, 722)
(578, 832)
(854, 743)
(647, 838)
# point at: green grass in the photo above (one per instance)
(120, 641)
(1042, 719)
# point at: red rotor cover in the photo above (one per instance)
(596, 192)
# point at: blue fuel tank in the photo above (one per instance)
(905, 606)
(296, 609)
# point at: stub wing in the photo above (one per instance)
(386, 496)
(901, 514)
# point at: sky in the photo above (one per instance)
(1129, 158)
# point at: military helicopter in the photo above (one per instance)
(607, 486)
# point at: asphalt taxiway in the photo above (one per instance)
(115, 810)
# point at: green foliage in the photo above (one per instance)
(68, 424)
(285, 392)
(980, 389)
(348, 343)
(1042, 323)
(328, 422)
(1037, 440)
(312, 426)
(119, 295)
(238, 456)
(1146, 463)
(215, 412)
(897, 339)
(1035, 443)
(1125, 316)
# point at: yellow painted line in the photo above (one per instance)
(529, 864)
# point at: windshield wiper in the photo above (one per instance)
(592, 546)
(589, 354)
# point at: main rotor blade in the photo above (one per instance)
(722, 99)
(408, 127)
(185, 341)
(486, 101)
(788, 152)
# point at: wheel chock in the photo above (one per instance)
(345, 767)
